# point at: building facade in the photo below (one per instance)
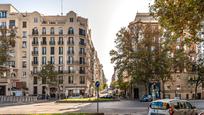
(64, 41)
(179, 85)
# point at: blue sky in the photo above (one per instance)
(106, 17)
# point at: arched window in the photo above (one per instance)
(52, 31)
(71, 30)
(43, 30)
(35, 31)
(60, 31)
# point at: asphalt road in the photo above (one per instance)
(123, 107)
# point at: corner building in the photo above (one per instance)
(64, 41)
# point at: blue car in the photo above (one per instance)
(146, 98)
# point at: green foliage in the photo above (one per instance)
(49, 74)
(7, 42)
(180, 17)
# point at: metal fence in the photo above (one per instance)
(15, 99)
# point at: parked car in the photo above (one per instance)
(171, 107)
(107, 96)
(146, 98)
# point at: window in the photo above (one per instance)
(52, 60)
(24, 74)
(60, 42)
(70, 79)
(3, 24)
(60, 59)
(12, 23)
(82, 32)
(82, 42)
(70, 40)
(35, 40)
(35, 50)
(60, 69)
(35, 90)
(35, 69)
(35, 20)
(24, 24)
(71, 19)
(24, 44)
(35, 31)
(44, 60)
(60, 79)
(43, 50)
(82, 79)
(60, 50)
(82, 70)
(24, 54)
(52, 31)
(60, 31)
(82, 51)
(35, 60)
(70, 60)
(35, 80)
(81, 60)
(70, 50)
(44, 42)
(70, 30)
(24, 64)
(24, 34)
(52, 50)
(70, 69)
(43, 30)
(52, 41)
(3, 14)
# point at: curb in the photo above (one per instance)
(85, 101)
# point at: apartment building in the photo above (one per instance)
(179, 85)
(64, 41)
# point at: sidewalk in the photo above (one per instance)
(24, 103)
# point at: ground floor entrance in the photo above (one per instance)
(2, 90)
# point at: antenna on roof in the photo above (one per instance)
(61, 7)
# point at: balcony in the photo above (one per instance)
(35, 33)
(52, 33)
(82, 63)
(43, 33)
(52, 42)
(82, 53)
(44, 43)
(82, 72)
(34, 52)
(70, 42)
(35, 43)
(70, 52)
(60, 42)
(34, 72)
(60, 33)
(34, 62)
(82, 43)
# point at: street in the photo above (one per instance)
(124, 107)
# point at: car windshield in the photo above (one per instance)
(159, 105)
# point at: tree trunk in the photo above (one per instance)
(145, 85)
(196, 88)
(163, 89)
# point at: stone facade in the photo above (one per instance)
(64, 41)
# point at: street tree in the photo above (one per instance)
(198, 80)
(48, 75)
(181, 17)
(7, 43)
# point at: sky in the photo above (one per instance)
(106, 17)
